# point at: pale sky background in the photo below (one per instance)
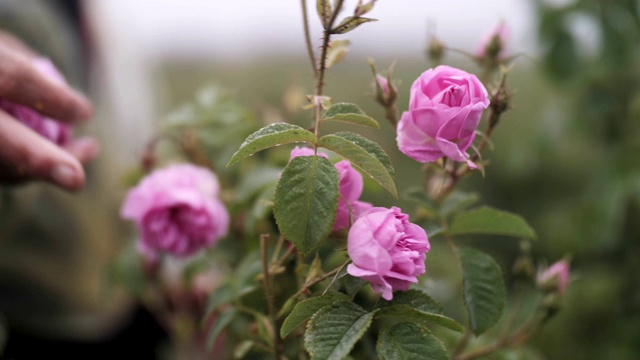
(241, 29)
(134, 36)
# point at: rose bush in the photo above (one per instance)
(349, 207)
(445, 108)
(177, 211)
(387, 250)
(57, 132)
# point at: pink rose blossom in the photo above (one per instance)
(387, 250)
(445, 108)
(493, 43)
(177, 211)
(350, 190)
(48, 128)
(556, 277)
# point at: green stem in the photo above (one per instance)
(269, 293)
(523, 335)
(323, 62)
(307, 37)
(309, 284)
(276, 252)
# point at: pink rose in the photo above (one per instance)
(555, 278)
(444, 111)
(350, 190)
(387, 250)
(50, 129)
(493, 43)
(177, 210)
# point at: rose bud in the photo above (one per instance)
(177, 211)
(351, 184)
(445, 108)
(555, 278)
(492, 46)
(52, 130)
(387, 250)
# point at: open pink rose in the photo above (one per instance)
(177, 210)
(349, 207)
(48, 128)
(444, 111)
(387, 250)
(555, 278)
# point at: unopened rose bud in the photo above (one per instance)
(492, 48)
(385, 91)
(435, 50)
(554, 279)
(384, 84)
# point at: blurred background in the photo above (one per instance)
(565, 157)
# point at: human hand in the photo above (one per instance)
(24, 154)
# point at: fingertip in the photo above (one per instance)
(69, 176)
(83, 109)
(84, 149)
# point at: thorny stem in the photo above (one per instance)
(276, 252)
(309, 284)
(391, 113)
(269, 293)
(323, 62)
(336, 276)
(284, 257)
(307, 37)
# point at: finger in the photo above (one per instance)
(83, 149)
(17, 45)
(34, 157)
(23, 83)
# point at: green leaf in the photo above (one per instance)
(350, 113)
(240, 283)
(418, 196)
(486, 220)
(457, 201)
(225, 319)
(414, 298)
(272, 135)
(410, 342)
(337, 50)
(407, 313)
(242, 349)
(306, 201)
(349, 24)
(365, 154)
(484, 292)
(334, 330)
(417, 307)
(364, 8)
(304, 310)
(324, 11)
